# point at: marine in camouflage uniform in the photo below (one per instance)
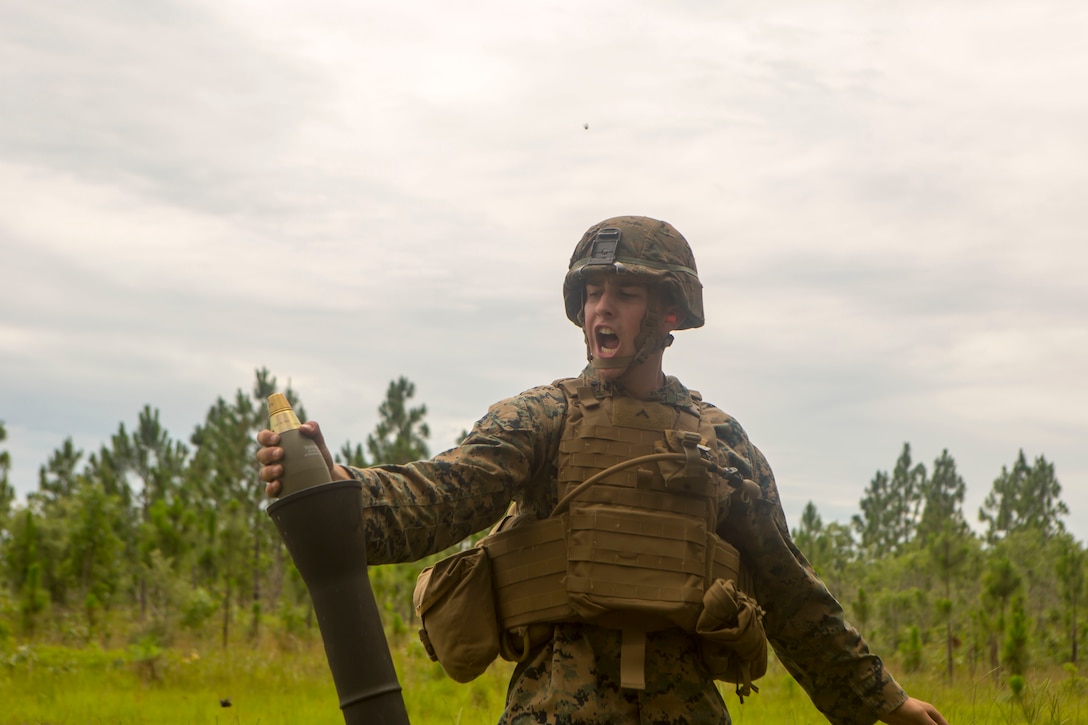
(424, 507)
(421, 508)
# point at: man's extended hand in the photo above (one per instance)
(914, 712)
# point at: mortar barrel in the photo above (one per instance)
(322, 528)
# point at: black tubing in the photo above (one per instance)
(322, 527)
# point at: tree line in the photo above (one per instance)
(918, 580)
(151, 538)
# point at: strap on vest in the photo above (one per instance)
(633, 659)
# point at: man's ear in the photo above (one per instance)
(673, 317)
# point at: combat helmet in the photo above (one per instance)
(648, 249)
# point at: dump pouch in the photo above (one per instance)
(731, 636)
(456, 606)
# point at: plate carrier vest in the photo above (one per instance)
(631, 544)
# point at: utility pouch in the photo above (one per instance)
(456, 606)
(731, 636)
(689, 476)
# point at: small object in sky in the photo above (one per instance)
(585, 126)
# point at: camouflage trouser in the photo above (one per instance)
(576, 679)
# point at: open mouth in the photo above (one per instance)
(608, 342)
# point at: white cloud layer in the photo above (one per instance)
(885, 201)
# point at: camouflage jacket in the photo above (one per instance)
(421, 508)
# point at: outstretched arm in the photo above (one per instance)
(804, 622)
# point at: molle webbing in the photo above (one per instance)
(529, 569)
(600, 433)
(528, 565)
(634, 551)
(618, 556)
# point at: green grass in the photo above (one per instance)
(270, 685)
(287, 682)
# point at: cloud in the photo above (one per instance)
(884, 203)
(164, 98)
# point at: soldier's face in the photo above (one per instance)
(614, 309)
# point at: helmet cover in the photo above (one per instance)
(649, 249)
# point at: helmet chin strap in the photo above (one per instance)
(612, 363)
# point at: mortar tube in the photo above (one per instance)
(322, 527)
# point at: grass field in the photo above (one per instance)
(288, 683)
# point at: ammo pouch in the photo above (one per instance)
(454, 601)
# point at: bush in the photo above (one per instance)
(912, 650)
(198, 607)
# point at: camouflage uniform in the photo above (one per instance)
(511, 454)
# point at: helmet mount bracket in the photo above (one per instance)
(603, 250)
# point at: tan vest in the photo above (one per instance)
(632, 543)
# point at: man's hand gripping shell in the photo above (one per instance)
(270, 456)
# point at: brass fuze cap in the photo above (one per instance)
(281, 416)
(277, 403)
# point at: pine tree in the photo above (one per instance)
(351, 455)
(1024, 497)
(93, 562)
(401, 435)
(156, 462)
(7, 491)
(1014, 653)
(1070, 570)
(889, 509)
(1000, 582)
(23, 568)
(57, 478)
(942, 507)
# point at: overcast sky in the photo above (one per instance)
(887, 203)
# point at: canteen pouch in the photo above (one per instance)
(455, 603)
(731, 636)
